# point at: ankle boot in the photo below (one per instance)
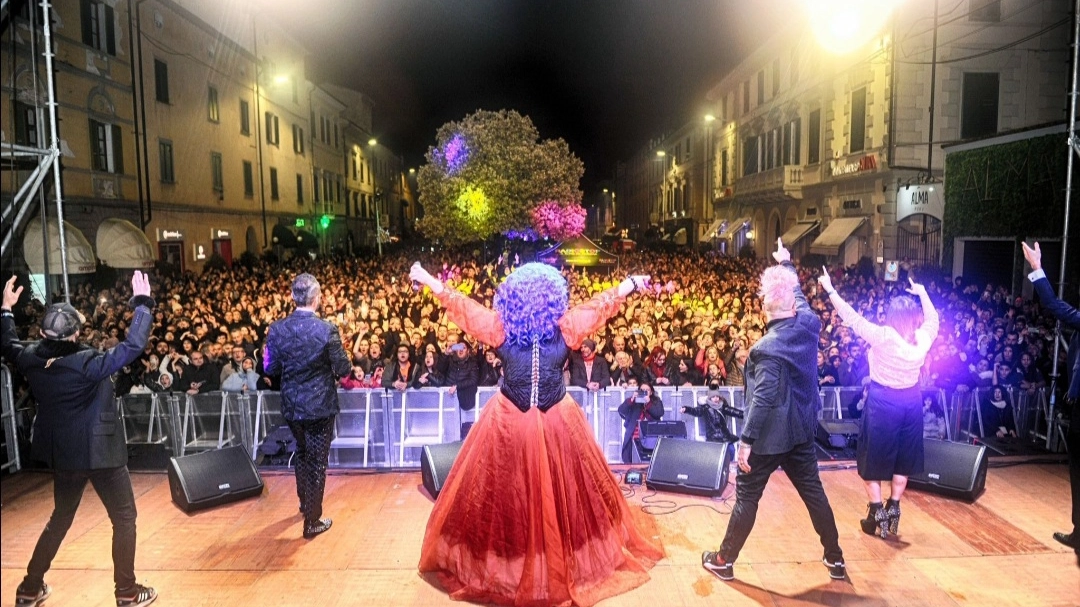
(892, 510)
(876, 521)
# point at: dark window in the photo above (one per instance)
(165, 161)
(161, 80)
(794, 69)
(315, 189)
(979, 111)
(298, 139)
(984, 10)
(858, 120)
(813, 152)
(746, 97)
(98, 29)
(299, 189)
(213, 110)
(273, 135)
(723, 109)
(775, 77)
(750, 156)
(216, 173)
(245, 118)
(724, 170)
(249, 179)
(106, 149)
(26, 125)
(761, 87)
(274, 193)
(852, 205)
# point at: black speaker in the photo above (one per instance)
(687, 466)
(212, 478)
(838, 433)
(653, 431)
(435, 465)
(952, 469)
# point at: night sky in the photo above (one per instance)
(605, 75)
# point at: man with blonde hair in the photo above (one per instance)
(781, 417)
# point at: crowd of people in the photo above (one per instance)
(693, 326)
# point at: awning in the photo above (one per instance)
(122, 245)
(306, 240)
(80, 255)
(578, 252)
(283, 236)
(714, 229)
(733, 227)
(830, 240)
(798, 232)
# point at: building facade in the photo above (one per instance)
(816, 147)
(196, 123)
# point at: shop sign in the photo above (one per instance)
(199, 252)
(219, 234)
(927, 199)
(169, 235)
(866, 163)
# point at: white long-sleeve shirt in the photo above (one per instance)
(894, 361)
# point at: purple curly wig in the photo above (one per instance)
(530, 303)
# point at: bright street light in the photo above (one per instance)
(372, 141)
(842, 27)
(281, 79)
(661, 153)
(709, 117)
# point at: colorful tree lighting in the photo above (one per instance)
(474, 205)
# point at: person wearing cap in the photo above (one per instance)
(462, 375)
(586, 371)
(78, 432)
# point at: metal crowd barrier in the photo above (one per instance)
(11, 436)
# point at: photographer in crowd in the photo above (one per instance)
(642, 405)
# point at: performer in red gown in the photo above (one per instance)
(530, 513)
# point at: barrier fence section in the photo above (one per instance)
(11, 436)
(388, 428)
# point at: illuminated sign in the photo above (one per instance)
(217, 234)
(200, 252)
(170, 235)
(866, 163)
(926, 199)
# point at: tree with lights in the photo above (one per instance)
(491, 174)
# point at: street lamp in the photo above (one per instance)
(372, 141)
(841, 27)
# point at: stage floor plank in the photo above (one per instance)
(998, 551)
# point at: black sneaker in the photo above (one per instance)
(316, 528)
(1069, 539)
(715, 565)
(837, 571)
(25, 598)
(136, 596)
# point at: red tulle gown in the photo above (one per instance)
(530, 513)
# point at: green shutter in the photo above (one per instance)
(85, 9)
(110, 32)
(118, 149)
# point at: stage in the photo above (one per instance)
(998, 551)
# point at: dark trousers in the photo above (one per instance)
(113, 486)
(313, 438)
(1072, 440)
(801, 466)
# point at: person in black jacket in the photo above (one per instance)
(462, 373)
(642, 405)
(781, 417)
(306, 352)
(1070, 318)
(78, 432)
(587, 370)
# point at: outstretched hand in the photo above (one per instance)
(418, 274)
(825, 280)
(916, 288)
(634, 282)
(1033, 256)
(140, 284)
(11, 294)
(781, 254)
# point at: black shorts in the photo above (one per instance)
(891, 437)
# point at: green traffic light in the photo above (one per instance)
(324, 221)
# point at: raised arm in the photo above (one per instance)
(783, 257)
(9, 344)
(586, 318)
(100, 367)
(931, 321)
(1060, 310)
(872, 333)
(476, 320)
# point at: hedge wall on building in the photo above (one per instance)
(1013, 190)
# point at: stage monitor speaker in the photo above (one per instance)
(212, 478)
(688, 466)
(838, 433)
(435, 465)
(952, 469)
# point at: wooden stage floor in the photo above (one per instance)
(996, 552)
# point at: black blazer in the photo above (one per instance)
(1070, 317)
(306, 352)
(77, 426)
(781, 382)
(600, 372)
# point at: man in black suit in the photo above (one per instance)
(78, 432)
(781, 417)
(306, 352)
(587, 370)
(1070, 318)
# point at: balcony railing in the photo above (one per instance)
(780, 181)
